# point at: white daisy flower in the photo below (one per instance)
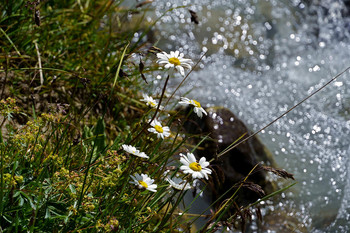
(197, 106)
(196, 169)
(178, 183)
(150, 102)
(174, 60)
(143, 181)
(134, 151)
(157, 128)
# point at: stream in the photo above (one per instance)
(263, 57)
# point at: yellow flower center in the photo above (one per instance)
(198, 105)
(152, 104)
(144, 184)
(195, 166)
(158, 128)
(175, 61)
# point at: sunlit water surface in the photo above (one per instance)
(262, 58)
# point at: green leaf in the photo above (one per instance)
(21, 201)
(47, 213)
(29, 199)
(72, 189)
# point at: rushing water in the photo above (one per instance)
(263, 56)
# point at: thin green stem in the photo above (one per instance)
(154, 115)
(118, 69)
(230, 199)
(8, 38)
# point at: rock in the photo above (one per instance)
(223, 128)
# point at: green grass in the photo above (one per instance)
(71, 99)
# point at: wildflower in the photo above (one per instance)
(143, 182)
(159, 129)
(150, 102)
(196, 169)
(174, 60)
(197, 106)
(134, 151)
(178, 183)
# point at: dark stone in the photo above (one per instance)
(224, 128)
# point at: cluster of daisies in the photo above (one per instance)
(190, 165)
(197, 169)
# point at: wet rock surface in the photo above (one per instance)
(223, 128)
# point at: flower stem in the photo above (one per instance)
(155, 114)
